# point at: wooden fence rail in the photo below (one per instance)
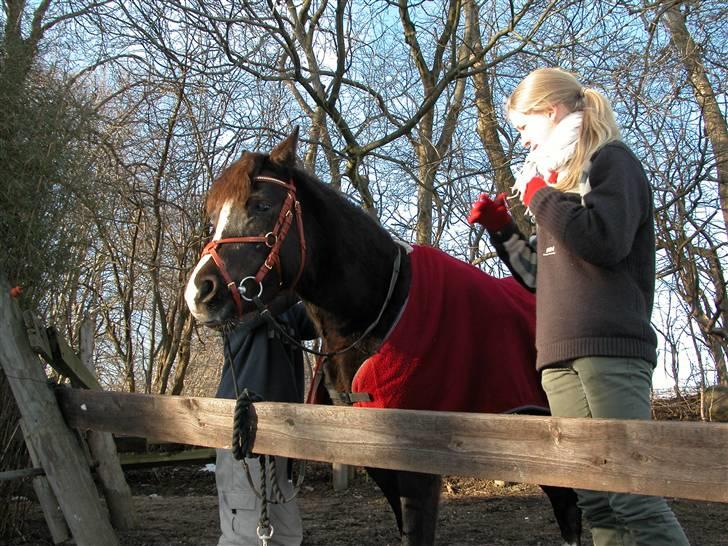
(676, 459)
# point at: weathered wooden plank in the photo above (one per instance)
(67, 362)
(135, 460)
(50, 345)
(685, 460)
(58, 451)
(9, 475)
(101, 444)
(45, 495)
(37, 336)
(195, 421)
(86, 343)
(111, 479)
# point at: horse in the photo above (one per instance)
(278, 229)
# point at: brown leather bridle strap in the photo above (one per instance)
(211, 249)
(273, 240)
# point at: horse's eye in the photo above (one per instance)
(262, 206)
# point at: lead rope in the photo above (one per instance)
(243, 437)
(265, 527)
(242, 443)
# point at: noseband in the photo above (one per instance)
(273, 240)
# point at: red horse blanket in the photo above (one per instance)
(464, 342)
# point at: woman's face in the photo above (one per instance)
(534, 128)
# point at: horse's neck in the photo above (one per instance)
(347, 276)
(350, 260)
(343, 326)
(349, 294)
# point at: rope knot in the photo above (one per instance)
(244, 425)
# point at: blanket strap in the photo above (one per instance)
(352, 397)
(348, 398)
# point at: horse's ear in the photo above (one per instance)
(285, 153)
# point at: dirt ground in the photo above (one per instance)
(178, 506)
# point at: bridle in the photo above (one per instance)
(273, 240)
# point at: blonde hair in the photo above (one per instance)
(548, 87)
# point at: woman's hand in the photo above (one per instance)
(535, 184)
(492, 214)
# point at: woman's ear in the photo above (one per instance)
(558, 112)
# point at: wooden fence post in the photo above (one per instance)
(103, 449)
(49, 344)
(47, 499)
(57, 449)
(341, 475)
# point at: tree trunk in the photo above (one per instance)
(488, 125)
(713, 119)
(183, 355)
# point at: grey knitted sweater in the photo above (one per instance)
(594, 263)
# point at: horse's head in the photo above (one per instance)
(257, 248)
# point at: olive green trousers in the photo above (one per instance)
(613, 388)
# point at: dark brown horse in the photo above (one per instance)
(278, 228)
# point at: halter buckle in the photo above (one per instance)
(270, 239)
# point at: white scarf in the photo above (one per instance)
(550, 156)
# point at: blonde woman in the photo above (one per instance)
(595, 252)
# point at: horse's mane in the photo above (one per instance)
(351, 222)
(354, 257)
(233, 184)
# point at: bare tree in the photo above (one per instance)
(401, 105)
(691, 228)
(714, 120)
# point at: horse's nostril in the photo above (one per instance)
(206, 289)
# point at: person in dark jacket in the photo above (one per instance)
(259, 358)
(593, 270)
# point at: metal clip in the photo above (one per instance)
(262, 536)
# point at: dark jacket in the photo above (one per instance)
(263, 361)
(596, 263)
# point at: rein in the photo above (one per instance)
(273, 240)
(345, 397)
(266, 314)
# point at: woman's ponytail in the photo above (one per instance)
(598, 127)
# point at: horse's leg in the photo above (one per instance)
(568, 514)
(420, 497)
(388, 482)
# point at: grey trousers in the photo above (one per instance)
(240, 506)
(616, 388)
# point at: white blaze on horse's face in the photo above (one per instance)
(196, 303)
(223, 219)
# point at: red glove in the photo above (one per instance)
(492, 214)
(535, 184)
